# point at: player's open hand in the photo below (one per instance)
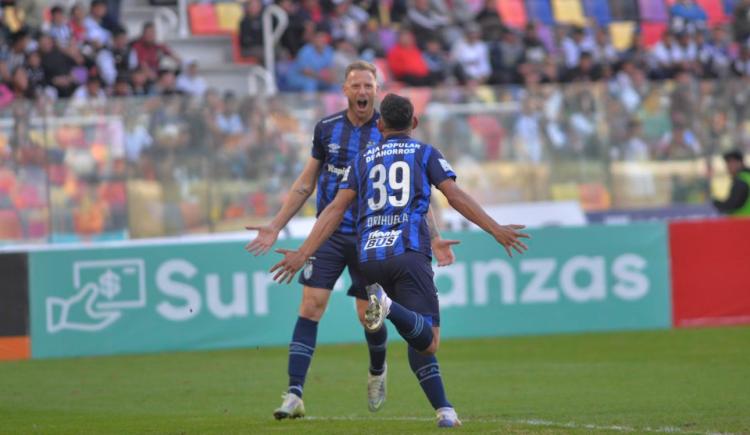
(288, 267)
(263, 241)
(443, 251)
(509, 237)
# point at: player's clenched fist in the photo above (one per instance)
(509, 237)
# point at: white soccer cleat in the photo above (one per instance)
(376, 389)
(377, 307)
(447, 417)
(291, 407)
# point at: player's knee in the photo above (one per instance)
(312, 308)
(433, 347)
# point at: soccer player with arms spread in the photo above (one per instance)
(391, 185)
(336, 141)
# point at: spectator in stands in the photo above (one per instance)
(113, 11)
(346, 22)
(534, 51)
(122, 87)
(489, 20)
(116, 60)
(634, 148)
(344, 54)
(76, 22)
(149, 52)
(714, 54)
(20, 86)
(312, 71)
(426, 22)
(94, 23)
(664, 57)
(59, 28)
(17, 55)
(528, 139)
(228, 120)
(585, 71)
(35, 72)
(604, 52)
(90, 93)
(314, 10)
(741, 21)
(472, 57)
(166, 84)
(574, 45)
(678, 143)
(190, 82)
(251, 31)
(406, 62)
(687, 16)
(57, 66)
(626, 85)
(437, 61)
(506, 54)
(741, 65)
(139, 82)
(300, 27)
(738, 202)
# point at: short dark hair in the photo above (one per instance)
(397, 112)
(57, 9)
(733, 155)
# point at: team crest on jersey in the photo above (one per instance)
(308, 270)
(371, 143)
(382, 239)
(334, 148)
(446, 166)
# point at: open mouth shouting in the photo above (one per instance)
(362, 103)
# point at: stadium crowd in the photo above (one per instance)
(167, 147)
(428, 43)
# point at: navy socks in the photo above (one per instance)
(300, 353)
(414, 327)
(428, 374)
(376, 343)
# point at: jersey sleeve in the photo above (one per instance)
(349, 180)
(438, 169)
(318, 149)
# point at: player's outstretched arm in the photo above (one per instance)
(506, 235)
(324, 227)
(441, 248)
(302, 188)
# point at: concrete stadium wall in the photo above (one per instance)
(142, 297)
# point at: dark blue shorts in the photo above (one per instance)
(330, 259)
(408, 280)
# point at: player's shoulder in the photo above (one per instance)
(331, 119)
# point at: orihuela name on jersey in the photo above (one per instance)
(391, 149)
(382, 239)
(387, 219)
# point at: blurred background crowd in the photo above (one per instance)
(107, 131)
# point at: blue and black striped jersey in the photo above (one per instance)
(336, 142)
(393, 182)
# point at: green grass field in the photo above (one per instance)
(683, 381)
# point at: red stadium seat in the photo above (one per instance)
(651, 33)
(203, 19)
(512, 13)
(715, 11)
